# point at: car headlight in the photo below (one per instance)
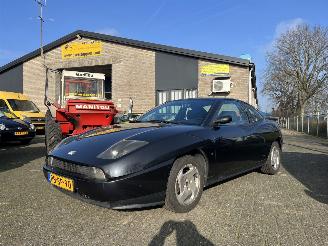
(121, 148)
(32, 127)
(2, 127)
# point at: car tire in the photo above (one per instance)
(185, 184)
(53, 134)
(273, 162)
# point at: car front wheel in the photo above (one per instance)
(185, 184)
(273, 163)
(53, 134)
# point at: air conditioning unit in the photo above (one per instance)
(221, 85)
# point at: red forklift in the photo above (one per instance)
(80, 106)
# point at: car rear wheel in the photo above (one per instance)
(53, 133)
(273, 163)
(185, 184)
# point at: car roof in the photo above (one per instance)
(12, 95)
(210, 98)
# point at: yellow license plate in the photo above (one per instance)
(61, 182)
(40, 127)
(20, 133)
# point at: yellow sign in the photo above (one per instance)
(215, 69)
(81, 49)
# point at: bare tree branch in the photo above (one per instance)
(296, 74)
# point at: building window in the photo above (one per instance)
(170, 95)
(176, 94)
(163, 97)
(190, 93)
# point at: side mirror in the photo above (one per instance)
(272, 118)
(222, 120)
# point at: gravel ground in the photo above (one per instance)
(289, 208)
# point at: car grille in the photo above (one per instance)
(67, 166)
(90, 172)
(18, 128)
(37, 120)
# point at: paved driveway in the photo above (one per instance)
(254, 209)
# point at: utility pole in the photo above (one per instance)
(41, 3)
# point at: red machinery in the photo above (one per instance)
(81, 107)
(81, 115)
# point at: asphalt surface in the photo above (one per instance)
(290, 208)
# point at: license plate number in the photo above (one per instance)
(61, 182)
(40, 127)
(20, 133)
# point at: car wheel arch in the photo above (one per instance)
(280, 142)
(200, 153)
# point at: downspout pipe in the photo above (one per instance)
(251, 67)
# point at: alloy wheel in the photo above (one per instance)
(187, 184)
(275, 157)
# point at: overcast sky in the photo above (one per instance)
(225, 27)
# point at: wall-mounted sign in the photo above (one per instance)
(215, 69)
(81, 49)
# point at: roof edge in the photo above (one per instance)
(129, 42)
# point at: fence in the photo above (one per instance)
(313, 124)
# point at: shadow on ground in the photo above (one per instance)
(324, 144)
(308, 148)
(311, 170)
(186, 234)
(14, 155)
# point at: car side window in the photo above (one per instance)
(252, 113)
(232, 109)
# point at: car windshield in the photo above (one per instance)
(23, 105)
(191, 112)
(82, 87)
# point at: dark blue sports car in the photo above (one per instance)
(14, 129)
(167, 156)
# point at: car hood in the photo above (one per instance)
(86, 147)
(29, 114)
(13, 123)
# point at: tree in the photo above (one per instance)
(318, 103)
(297, 68)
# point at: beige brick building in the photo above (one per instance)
(148, 73)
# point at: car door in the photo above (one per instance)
(231, 152)
(256, 140)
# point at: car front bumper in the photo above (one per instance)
(10, 136)
(142, 189)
